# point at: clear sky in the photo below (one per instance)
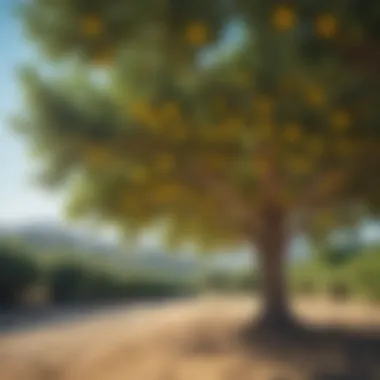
(19, 200)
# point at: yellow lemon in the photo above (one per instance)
(284, 18)
(326, 26)
(196, 33)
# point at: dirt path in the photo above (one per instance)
(187, 340)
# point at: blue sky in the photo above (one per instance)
(19, 200)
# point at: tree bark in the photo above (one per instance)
(272, 242)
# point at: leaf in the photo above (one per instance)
(97, 156)
(340, 120)
(292, 133)
(92, 26)
(164, 163)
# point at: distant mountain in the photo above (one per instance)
(43, 236)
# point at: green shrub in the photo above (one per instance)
(245, 282)
(68, 282)
(340, 280)
(102, 287)
(218, 281)
(72, 282)
(17, 274)
(364, 273)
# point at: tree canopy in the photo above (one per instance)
(207, 110)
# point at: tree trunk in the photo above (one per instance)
(275, 302)
(272, 243)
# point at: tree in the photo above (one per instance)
(158, 119)
(69, 283)
(17, 274)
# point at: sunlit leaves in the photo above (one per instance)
(292, 133)
(169, 113)
(138, 174)
(144, 113)
(262, 108)
(167, 193)
(298, 165)
(315, 146)
(159, 119)
(97, 156)
(164, 163)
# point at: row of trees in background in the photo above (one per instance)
(340, 274)
(24, 279)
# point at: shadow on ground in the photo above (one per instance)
(205, 341)
(320, 352)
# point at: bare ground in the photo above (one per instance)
(199, 339)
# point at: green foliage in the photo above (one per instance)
(355, 277)
(309, 278)
(224, 281)
(342, 252)
(364, 272)
(17, 274)
(68, 279)
(296, 102)
(337, 257)
(72, 282)
(68, 283)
